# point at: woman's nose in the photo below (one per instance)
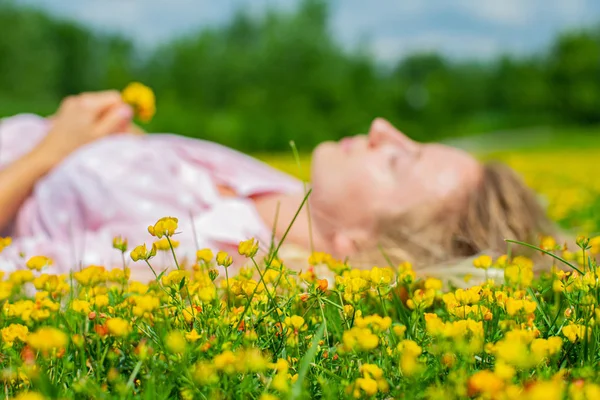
(382, 132)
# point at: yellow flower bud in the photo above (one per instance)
(248, 248)
(224, 259)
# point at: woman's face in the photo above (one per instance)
(360, 180)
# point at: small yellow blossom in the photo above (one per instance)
(165, 226)
(118, 327)
(192, 336)
(175, 342)
(120, 244)
(205, 255)
(361, 339)
(248, 248)
(81, 306)
(224, 259)
(485, 383)
(38, 262)
(21, 276)
(47, 338)
(5, 242)
(141, 98)
(163, 244)
(575, 332)
(483, 262)
(13, 332)
(29, 396)
(142, 253)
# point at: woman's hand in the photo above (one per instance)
(82, 119)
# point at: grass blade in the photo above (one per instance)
(306, 360)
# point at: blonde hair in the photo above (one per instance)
(433, 237)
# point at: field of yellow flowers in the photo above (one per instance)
(272, 333)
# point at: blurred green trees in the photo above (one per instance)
(255, 84)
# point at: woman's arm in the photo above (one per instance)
(17, 181)
(79, 120)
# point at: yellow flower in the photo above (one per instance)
(225, 362)
(138, 287)
(504, 370)
(409, 364)
(205, 255)
(372, 372)
(205, 374)
(192, 336)
(224, 259)
(141, 98)
(145, 304)
(433, 283)
(547, 243)
(175, 342)
(575, 332)
(163, 244)
(367, 385)
(119, 274)
(13, 332)
(399, 330)
(558, 286)
(29, 396)
(421, 299)
(118, 327)
(47, 338)
(518, 274)
(165, 226)
(381, 276)
(21, 276)
(91, 276)
(317, 258)
(120, 244)
(280, 383)
(175, 277)
(514, 306)
(142, 253)
(248, 248)
(296, 322)
(81, 306)
(361, 339)
(375, 322)
(38, 262)
(100, 301)
(482, 262)
(4, 243)
(485, 383)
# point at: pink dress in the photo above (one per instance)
(123, 183)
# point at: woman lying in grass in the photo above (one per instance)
(71, 183)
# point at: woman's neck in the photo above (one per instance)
(278, 210)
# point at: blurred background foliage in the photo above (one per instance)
(256, 83)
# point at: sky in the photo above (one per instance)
(476, 29)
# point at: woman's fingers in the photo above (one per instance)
(100, 102)
(113, 120)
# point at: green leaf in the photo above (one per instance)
(545, 252)
(305, 362)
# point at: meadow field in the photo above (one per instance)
(272, 333)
